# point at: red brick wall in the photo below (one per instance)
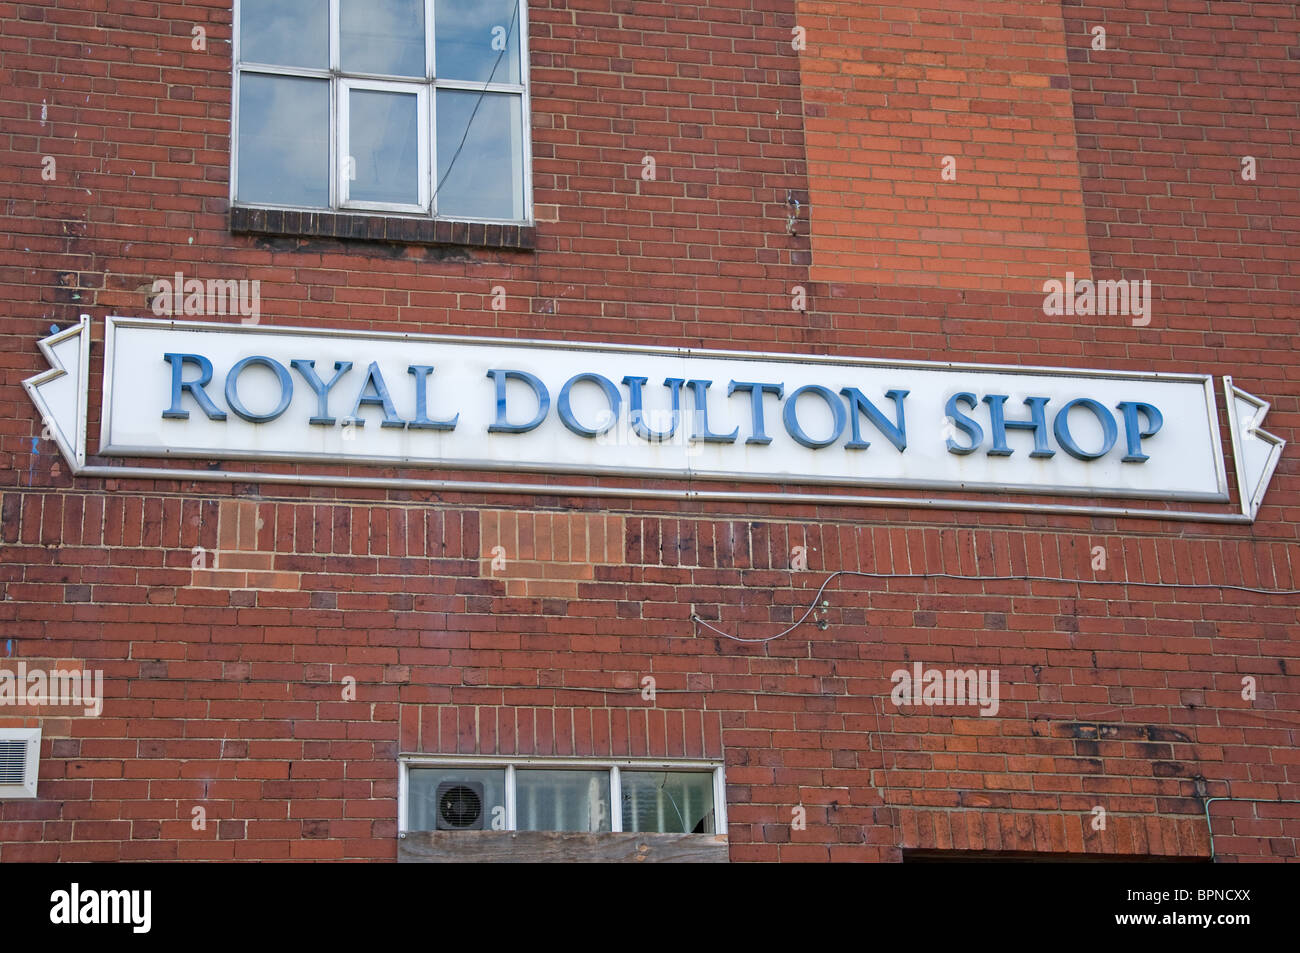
(893, 93)
(1247, 830)
(224, 692)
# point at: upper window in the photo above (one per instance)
(415, 107)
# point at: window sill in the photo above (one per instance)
(558, 847)
(372, 227)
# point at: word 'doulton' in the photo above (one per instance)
(217, 391)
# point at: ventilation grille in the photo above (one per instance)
(460, 806)
(13, 761)
(20, 753)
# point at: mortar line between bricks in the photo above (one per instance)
(1157, 534)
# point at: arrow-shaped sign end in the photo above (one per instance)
(1256, 451)
(60, 394)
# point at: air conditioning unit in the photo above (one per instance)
(20, 756)
(460, 806)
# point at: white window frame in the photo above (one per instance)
(32, 738)
(615, 767)
(429, 84)
(421, 94)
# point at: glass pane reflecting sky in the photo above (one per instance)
(486, 180)
(285, 32)
(284, 125)
(469, 35)
(384, 129)
(382, 36)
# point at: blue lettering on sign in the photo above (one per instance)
(308, 371)
(195, 387)
(966, 425)
(502, 424)
(895, 433)
(1037, 422)
(965, 432)
(699, 391)
(1134, 433)
(636, 411)
(380, 398)
(607, 420)
(421, 374)
(232, 389)
(1066, 439)
(758, 435)
(791, 418)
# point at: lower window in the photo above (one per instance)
(544, 794)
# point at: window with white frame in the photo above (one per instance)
(547, 794)
(415, 107)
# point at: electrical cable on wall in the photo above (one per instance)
(944, 575)
(1246, 800)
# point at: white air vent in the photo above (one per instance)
(20, 754)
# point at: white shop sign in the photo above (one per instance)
(227, 392)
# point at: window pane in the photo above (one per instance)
(562, 800)
(454, 799)
(384, 146)
(668, 802)
(382, 36)
(486, 177)
(473, 36)
(285, 32)
(284, 125)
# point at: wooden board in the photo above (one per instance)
(558, 847)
